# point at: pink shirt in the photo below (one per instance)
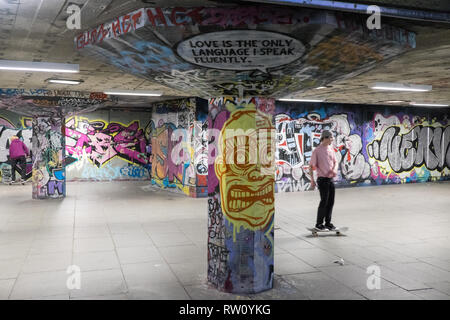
(324, 160)
(17, 149)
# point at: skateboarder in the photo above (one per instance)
(323, 160)
(17, 153)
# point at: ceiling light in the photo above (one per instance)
(400, 87)
(38, 66)
(65, 81)
(301, 100)
(396, 101)
(133, 93)
(428, 104)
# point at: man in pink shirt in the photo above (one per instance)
(323, 160)
(17, 156)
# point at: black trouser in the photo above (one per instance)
(326, 188)
(22, 168)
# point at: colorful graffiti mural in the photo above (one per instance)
(92, 144)
(179, 147)
(297, 140)
(241, 195)
(406, 148)
(49, 179)
(98, 149)
(372, 147)
(376, 149)
(95, 149)
(247, 196)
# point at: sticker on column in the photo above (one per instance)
(6, 173)
(241, 50)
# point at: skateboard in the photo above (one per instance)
(338, 231)
(17, 182)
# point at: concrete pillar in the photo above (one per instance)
(241, 194)
(49, 178)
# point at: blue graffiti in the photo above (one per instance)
(23, 92)
(59, 174)
(56, 186)
(133, 171)
(149, 56)
(109, 172)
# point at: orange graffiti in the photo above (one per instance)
(159, 149)
(247, 195)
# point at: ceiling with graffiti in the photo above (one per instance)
(242, 51)
(56, 103)
(35, 30)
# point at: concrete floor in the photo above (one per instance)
(134, 242)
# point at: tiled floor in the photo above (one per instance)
(132, 241)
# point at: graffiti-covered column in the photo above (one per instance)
(241, 194)
(49, 179)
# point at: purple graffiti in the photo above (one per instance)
(102, 143)
(54, 185)
(217, 124)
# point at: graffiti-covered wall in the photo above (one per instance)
(104, 145)
(12, 124)
(374, 144)
(119, 144)
(179, 153)
(108, 145)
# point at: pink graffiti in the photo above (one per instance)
(173, 170)
(128, 138)
(102, 145)
(102, 149)
(217, 123)
(82, 140)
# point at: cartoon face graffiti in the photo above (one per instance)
(247, 193)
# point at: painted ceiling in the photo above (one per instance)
(242, 50)
(35, 30)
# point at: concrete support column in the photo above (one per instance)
(241, 194)
(49, 178)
